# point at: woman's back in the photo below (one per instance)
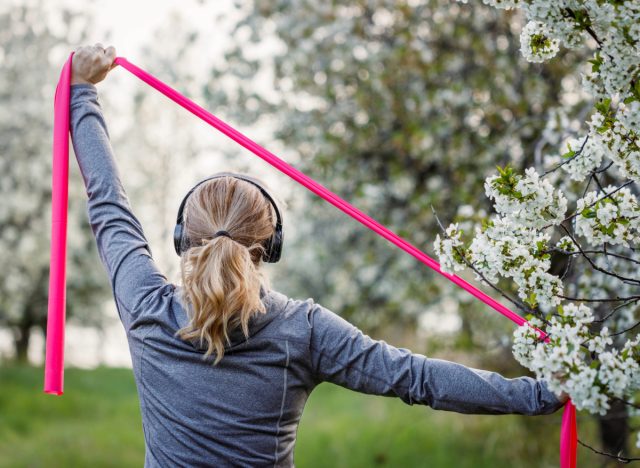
(245, 410)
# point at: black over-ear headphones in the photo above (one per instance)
(273, 245)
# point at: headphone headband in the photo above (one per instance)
(273, 246)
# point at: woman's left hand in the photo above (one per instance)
(91, 64)
(563, 397)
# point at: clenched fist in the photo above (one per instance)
(90, 64)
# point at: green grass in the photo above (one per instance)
(97, 423)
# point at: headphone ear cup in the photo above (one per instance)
(279, 244)
(268, 249)
(274, 246)
(177, 238)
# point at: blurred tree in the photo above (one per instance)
(33, 47)
(397, 106)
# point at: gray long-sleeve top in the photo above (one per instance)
(245, 411)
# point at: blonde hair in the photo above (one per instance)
(220, 275)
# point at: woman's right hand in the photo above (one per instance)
(92, 63)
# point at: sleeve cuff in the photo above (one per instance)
(83, 85)
(550, 402)
(83, 92)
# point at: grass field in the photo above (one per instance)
(97, 423)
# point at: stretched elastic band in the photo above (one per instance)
(55, 323)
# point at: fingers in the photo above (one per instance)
(92, 63)
(104, 56)
(110, 53)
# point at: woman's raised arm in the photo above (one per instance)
(122, 244)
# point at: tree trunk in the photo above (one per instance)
(614, 433)
(21, 343)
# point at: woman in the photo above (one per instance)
(223, 364)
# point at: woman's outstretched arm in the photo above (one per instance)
(122, 244)
(342, 354)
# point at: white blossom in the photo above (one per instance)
(593, 367)
(567, 244)
(614, 219)
(536, 43)
(529, 200)
(445, 249)
(585, 156)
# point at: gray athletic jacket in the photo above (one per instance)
(245, 411)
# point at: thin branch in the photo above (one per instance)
(626, 402)
(615, 310)
(584, 299)
(602, 189)
(596, 267)
(611, 254)
(626, 330)
(587, 28)
(595, 252)
(586, 187)
(566, 270)
(618, 457)
(568, 160)
(604, 169)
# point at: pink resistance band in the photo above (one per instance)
(54, 367)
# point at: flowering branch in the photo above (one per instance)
(516, 242)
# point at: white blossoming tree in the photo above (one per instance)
(33, 46)
(580, 204)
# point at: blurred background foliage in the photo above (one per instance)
(400, 107)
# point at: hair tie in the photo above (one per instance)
(222, 233)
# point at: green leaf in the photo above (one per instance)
(531, 300)
(596, 63)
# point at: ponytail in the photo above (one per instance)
(220, 275)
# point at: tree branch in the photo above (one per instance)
(618, 457)
(596, 267)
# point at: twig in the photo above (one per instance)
(568, 160)
(596, 267)
(615, 310)
(618, 457)
(626, 330)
